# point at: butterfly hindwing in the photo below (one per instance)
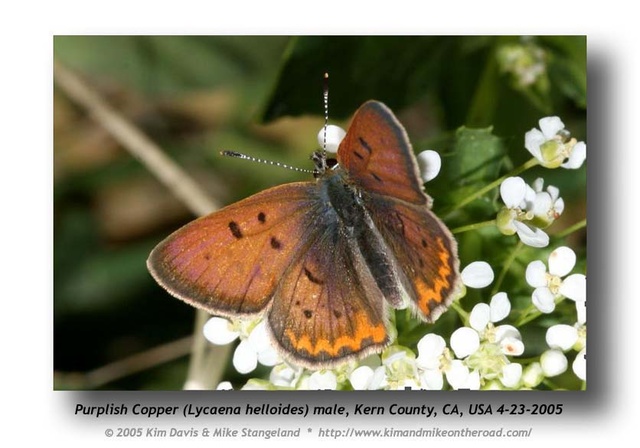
(328, 307)
(425, 251)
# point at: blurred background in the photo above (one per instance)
(114, 327)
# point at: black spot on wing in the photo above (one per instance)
(275, 243)
(364, 144)
(235, 229)
(262, 217)
(312, 278)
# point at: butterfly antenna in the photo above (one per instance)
(239, 155)
(325, 96)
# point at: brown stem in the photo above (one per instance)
(207, 361)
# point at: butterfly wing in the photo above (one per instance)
(377, 154)
(328, 307)
(379, 159)
(282, 252)
(231, 261)
(424, 250)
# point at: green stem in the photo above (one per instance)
(574, 228)
(462, 313)
(529, 314)
(525, 166)
(506, 267)
(532, 312)
(475, 226)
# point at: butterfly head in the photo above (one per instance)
(322, 163)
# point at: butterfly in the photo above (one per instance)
(322, 261)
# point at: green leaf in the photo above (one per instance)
(397, 70)
(477, 157)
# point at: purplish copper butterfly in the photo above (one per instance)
(322, 260)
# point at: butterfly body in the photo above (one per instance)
(321, 260)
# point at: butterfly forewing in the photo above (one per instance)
(377, 154)
(231, 261)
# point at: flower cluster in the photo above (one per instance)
(525, 62)
(528, 210)
(552, 286)
(552, 146)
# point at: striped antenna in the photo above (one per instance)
(319, 160)
(325, 96)
(239, 155)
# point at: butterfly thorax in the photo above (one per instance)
(346, 206)
(345, 200)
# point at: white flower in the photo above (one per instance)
(285, 375)
(509, 339)
(431, 351)
(334, 135)
(549, 285)
(561, 336)
(485, 347)
(244, 358)
(548, 205)
(224, 385)
(471, 382)
(581, 311)
(323, 380)
(464, 342)
(482, 314)
(434, 360)
(482, 318)
(367, 378)
(511, 375)
(459, 376)
(431, 379)
(477, 274)
(551, 146)
(499, 307)
(220, 331)
(254, 346)
(400, 369)
(580, 364)
(532, 375)
(516, 216)
(525, 62)
(429, 163)
(553, 362)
